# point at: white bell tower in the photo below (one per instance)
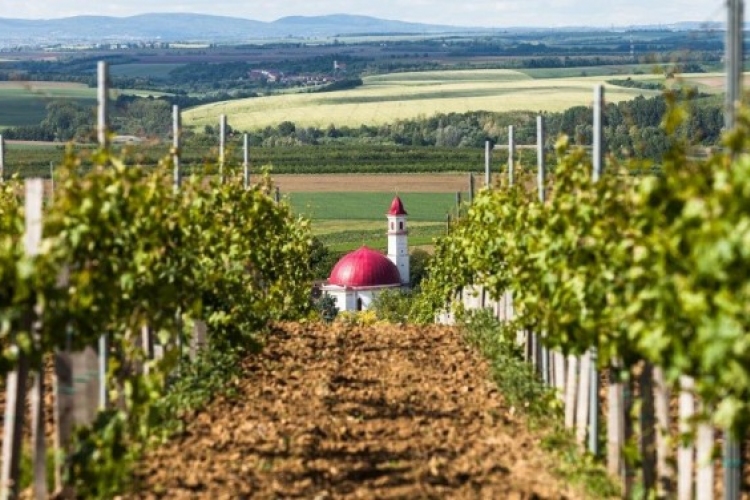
(398, 249)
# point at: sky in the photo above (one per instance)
(486, 13)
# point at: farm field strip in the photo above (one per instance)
(425, 207)
(394, 183)
(387, 98)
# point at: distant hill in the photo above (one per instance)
(200, 27)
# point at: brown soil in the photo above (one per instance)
(405, 183)
(345, 412)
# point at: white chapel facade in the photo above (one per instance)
(359, 276)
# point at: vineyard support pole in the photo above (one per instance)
(277, 196)
(558, 359)
(685, 451)
(33, 216)
(102, 133)
(615, 426)
(471, 188)
(487, 158)
(648, 442)
(570, 391)
(541, 175)
(222, 145)
(16, 380)
(598, 149)
(582, 409)
(704, 444)
(661, 409)
(176, 146)
(246, 161)
(52, 176)
(511, 155)
(598, 158)
(734, 60)
(2, 158)
(176, 128)
(102, 96)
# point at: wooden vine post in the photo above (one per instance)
(102, 129)
(2, 158)
(17, 379)
(664, 471)
(598, 167)
(511, 155)
(540, 352)
(176, 152)
(33, 239)
(648, 438)
(734, 57)
(571, 391)
(487, 160)
(685, 452)
(246, 161)
(222, 145)
(583, 407)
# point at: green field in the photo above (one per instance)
(344, 241)
(349, 206)
(345, 221)
(143, 70)
(25, 103)
(387, 98)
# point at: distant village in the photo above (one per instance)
(307, 79)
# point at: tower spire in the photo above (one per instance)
(398, 248)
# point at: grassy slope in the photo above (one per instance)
(386, 98)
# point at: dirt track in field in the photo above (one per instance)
(379, 183)
(345, 412)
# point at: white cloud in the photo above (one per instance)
(500, 13)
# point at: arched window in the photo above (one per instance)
(401, 226)
(391, 226)
(359, 304)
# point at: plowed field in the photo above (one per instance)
(346, 412)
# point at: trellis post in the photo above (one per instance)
(222, 145)
(176, 128)
(511, 155)
(17, 379)
(102, 127)
(246, 161)
(487, 158)
(2, 158)
(598, 164)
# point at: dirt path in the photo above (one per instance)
(383, 412)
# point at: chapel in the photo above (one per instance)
(358, 277)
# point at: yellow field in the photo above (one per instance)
(386, 98)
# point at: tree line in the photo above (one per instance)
(631, 128)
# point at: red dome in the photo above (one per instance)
(364, 267)
(397, 208)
